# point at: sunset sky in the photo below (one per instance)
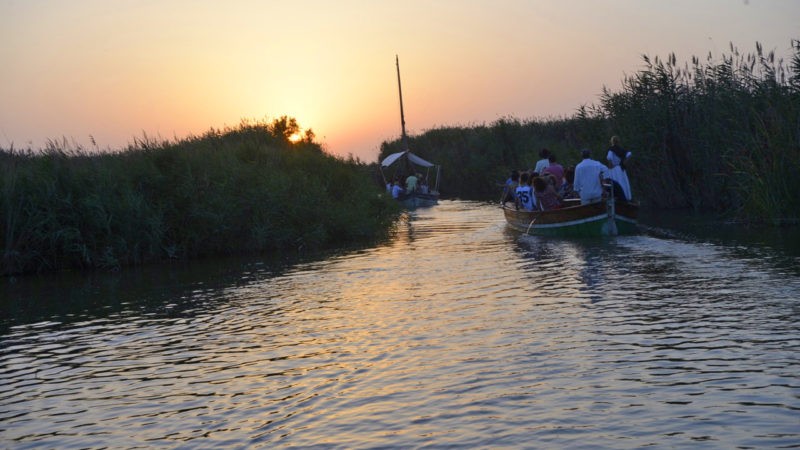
(115, 70)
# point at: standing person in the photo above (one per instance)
(524, 193)
(616, 160)
(555, 169)
(542, 164)
(588, 178)
(411, 183)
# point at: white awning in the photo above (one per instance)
(389, 160)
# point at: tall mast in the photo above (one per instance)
(402, 116)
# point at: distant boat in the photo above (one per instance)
(423, 195)
(409, 163)
(603, 218)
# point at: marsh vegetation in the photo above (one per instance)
(712, 135)
(254, 188)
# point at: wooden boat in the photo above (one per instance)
(424, 195)
(603, 218)
(408, 163)
(419, 199)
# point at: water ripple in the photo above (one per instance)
(457, 333)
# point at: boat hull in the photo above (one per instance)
(417, 200)
(594, 219)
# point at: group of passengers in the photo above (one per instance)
(413, 183)
(549, 184)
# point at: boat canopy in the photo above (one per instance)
(389, 160)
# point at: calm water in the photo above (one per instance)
(458, 332)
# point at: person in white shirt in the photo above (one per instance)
(524, 193)
(588, 178)
(617, 157)
(542, 163)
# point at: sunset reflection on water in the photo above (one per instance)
(455, 332)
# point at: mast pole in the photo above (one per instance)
(402, 115)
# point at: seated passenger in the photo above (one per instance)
(397, 190)
(566, 191)
(423, 187)
(546, 195)
(524, 193)
(511, 186)
(555, 169)
(542, 164)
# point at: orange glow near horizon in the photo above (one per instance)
(172, 69)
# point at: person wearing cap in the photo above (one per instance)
(588, 178)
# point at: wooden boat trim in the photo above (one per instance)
(570, 223)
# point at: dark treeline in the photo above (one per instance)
(722, 136)
(244, 190)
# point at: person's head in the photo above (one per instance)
(586, 153)
(539, 184)
(514, 175)
(544, 153)
(614, 141)
(525, 178)
(550, 179)
(552, 158)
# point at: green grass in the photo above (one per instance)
(244, 190)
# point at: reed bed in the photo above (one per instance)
(241, 190)
(717, 135)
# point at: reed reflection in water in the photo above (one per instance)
(459, 332)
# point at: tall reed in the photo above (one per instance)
(715, 135)
(721, 135)
(240, 190)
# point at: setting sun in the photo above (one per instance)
(296, 137)
(154, 68)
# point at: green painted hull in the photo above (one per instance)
(595, 219)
